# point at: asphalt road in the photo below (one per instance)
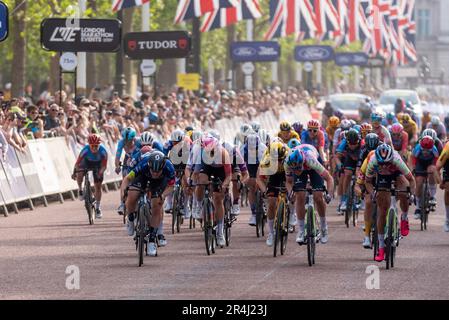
(37, 247)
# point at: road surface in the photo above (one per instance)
(39, 247)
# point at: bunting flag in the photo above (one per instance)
(385, 28)
(225, 16)
(189, 9)
(123, 4)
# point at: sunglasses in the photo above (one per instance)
(313, 130)
(54, 110)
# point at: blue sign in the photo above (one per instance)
(3, 21)
(351, 59)
(253, 51)
(314, 53)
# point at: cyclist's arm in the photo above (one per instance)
(125, 183)
(81, 156)
(104, 162)
(261, 181)
(118, 154)
(227, 168)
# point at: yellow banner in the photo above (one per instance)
(189, 81)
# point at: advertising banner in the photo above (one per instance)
(45, 167)
(157, 45)
(5, 188)
(255, 51)
(81, 35)
(15, 177)
(63, 163)
(188, 81)
(314, 53)
(351, 59)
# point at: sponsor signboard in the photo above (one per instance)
(314, 53)
(351, 59)
(157, 45)
(255, 51)
(81, 35)
(189, 81)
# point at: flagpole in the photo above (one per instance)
(249, 37)
(120, 81)
(81, 68)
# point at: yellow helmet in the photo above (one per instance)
(334, 122)
(285, 126)
(406, 118)
(278, 150)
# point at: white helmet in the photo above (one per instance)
(435, 120)
(431, 133)
(215, 134)
(256, 126)
(245, 129)
(264, 137)
(177, 135)
(147, 138)
(196, 134)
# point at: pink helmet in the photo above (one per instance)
(208, 142)
(397, 128)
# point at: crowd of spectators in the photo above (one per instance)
(22, 118)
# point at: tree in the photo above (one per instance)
(19, 47)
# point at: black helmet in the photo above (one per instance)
(353, 136)
(156, 161)
(372, 141)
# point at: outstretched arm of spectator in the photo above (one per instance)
(3, 146)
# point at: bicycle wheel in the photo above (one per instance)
(284, 231)
(88, 200)
(227, 221)
(310, 229)
(175, 209)
(423, 206)
(141, 232)
(278, 226)
(207, 228)
(259, 216)
(390, 238)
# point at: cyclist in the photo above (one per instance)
(399, 138)
(298, 127)
(442, 163)
(332, 126)
(365, 129)
(424, 159)
(432, 133)
(389, 120)
(211, 159)
(148, 139)
(93, 157)
(315, 137)
(371, 143)
(252, 150)
(410, 127)
(345, 125)
(301, 165)
(130, 145)
(245, 130)
(239, 172)
(438, 126)
(347, 155)
(157, 173)
(379, 129)
(264, 137)
(286, 132)
(270, 177)
(388, 166)
(255, 126)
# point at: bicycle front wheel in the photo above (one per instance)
(88, 201)
(310, 227)
(141, 232)
(389, 241)
(175, 210)
(284, 231)
(278, 227)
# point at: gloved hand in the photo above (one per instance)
(117, 170)
(327, 198)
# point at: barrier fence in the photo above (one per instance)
(46, 167)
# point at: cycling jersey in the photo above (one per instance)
(268, 167)
(331, 132)
(400, 143)
(386, 123)
(318, 142)
(396, 165)
(252, 155)
(411, 128)
(383, 134)
(179, 153)
(237, 162)
(292, 135)
(348, 155)
(363, 167)
(122, 146)
(88, 159)
(420, 154)
(141, 177)
(310, 160)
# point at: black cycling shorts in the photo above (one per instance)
(349, 163)
(421, 167)
(252, 170)
(300, 182)
(446, 172)
(93, 166)
(385, 181)
(275, 182)
(155, 186)
(216, 172)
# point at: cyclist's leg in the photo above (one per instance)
(235, 192)
(420, 175)
(300, 183)
(217, 198)
(317, 183)
(251, 184)
(383, 204)
(431, 171)
(402, 184)
(98, 181)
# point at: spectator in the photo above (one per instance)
(52, 120)
(34, 125)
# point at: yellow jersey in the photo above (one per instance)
(293, 135)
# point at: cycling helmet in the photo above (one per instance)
(371, 141)
(215, 134)
(338, 114)
(196, 134)
(297, 126)
(396, 128)
(296, 159)
(255, 126)
(129, 134)
(156, 161)
(278, 150)
(177, 135)
(345, 124)
(264, 137)
(285, 126)
(405, 118)
(293, 143)
(313, 124)
(245, 129)
(208, 142)
(366, 128)
(384, 153)
(94, 139)
(147, 138)
(427, 142)
(409, 105)
(357, 128)
(334, 122)
(188, 129)
(390, 116)
(435, 120)
(430, 133)
(353, 123)
(376, 117)
(352, 136)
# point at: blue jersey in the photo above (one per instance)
(343, 148)
(143, 168)
(423, 154)
(121, 146)
(100, 157)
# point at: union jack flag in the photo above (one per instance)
(123, 4)
(223, 17)
(189, 9)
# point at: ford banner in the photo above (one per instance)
(314, 53)
(157, 45)
(351, 59)
(255, 51)
(81, 35)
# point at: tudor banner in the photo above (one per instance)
(157, 45)
(81, 35)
